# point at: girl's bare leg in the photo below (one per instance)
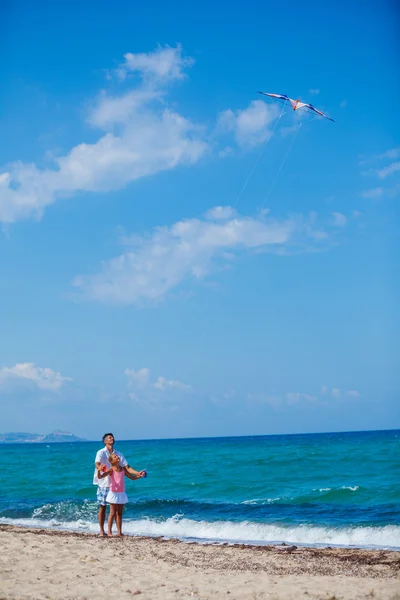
(111, 517)
(118, 517)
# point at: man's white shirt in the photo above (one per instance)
(102, 458)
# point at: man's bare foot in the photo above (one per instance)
(102, 533)
(120, 535)
(109, 535)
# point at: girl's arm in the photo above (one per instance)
(133, 471)
(102, 474)
(133, 477)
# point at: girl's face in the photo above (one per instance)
(114, 459)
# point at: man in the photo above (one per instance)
(103, 484)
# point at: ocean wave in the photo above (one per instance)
(258, 501)
(321, 508)
(353, 488)
(319, 494)
(245, 532)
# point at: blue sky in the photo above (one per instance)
(147, 284)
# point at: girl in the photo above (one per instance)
(116, 495)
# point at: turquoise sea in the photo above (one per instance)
(316, 489)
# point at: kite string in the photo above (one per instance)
(259, 156)
(281, 165)
(284, 159)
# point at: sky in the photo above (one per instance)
(179, 255)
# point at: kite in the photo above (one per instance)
(296, 104)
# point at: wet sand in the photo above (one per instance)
(37, 563)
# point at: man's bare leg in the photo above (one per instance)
(102, 518)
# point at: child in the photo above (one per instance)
(116, 495)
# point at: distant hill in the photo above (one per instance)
(34, 438)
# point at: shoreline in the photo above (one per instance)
(209, 541)
(42, 563)
(206, 541)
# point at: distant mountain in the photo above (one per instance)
(61, 436)
(34, 438)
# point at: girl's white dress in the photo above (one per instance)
(116, 494)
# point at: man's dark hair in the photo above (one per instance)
(106, 435)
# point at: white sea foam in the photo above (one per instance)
(244, 532)
(343, 487)
(260, 501)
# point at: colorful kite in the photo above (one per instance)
(296, 104)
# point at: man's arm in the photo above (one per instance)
(100, 459)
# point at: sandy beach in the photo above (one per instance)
(37, 563)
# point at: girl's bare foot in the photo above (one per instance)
(109, 535)
(102, 534)
(120, 535)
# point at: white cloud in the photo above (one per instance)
(112, 110)
(337, 392)
(148, 145)
(339, 220)
(139, 379)
(382, 190)
(143, 137)
(295, 397)
(392, 153)
(164, 384)
(190, 249)
(270, 399)
(43, 378)
(141, 387)
(249, 126)
(5, 178)
(139, 136)
(376, 192)
(323, 397)
(163, 64)
(389, 170)
(222, 213)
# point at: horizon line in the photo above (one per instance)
(258, 435)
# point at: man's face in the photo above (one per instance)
(109, 440)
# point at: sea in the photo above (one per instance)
(328, 489)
